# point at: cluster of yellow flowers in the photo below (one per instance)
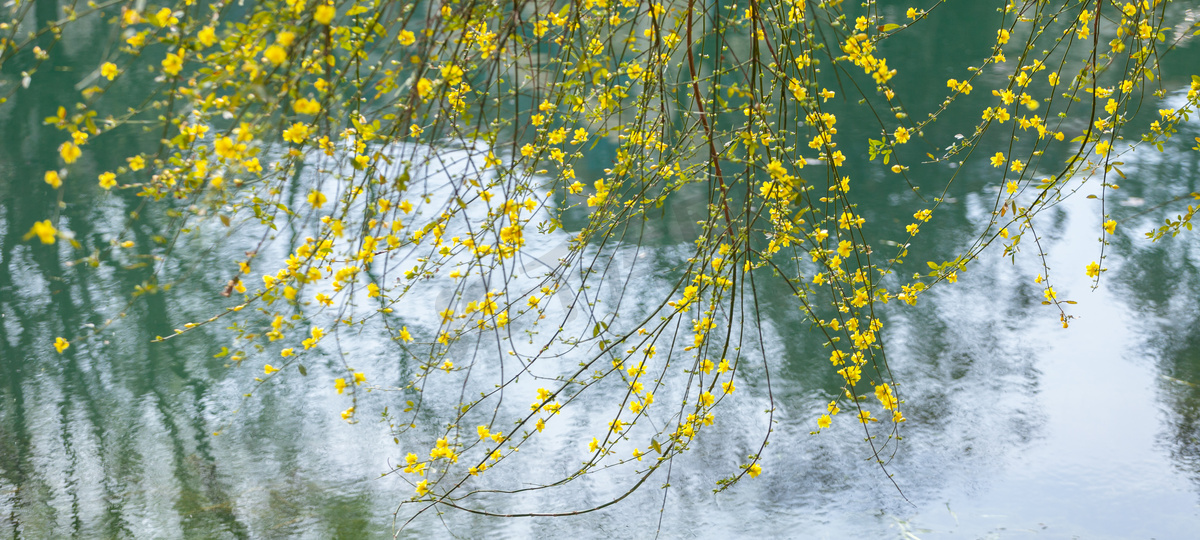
(411, 151)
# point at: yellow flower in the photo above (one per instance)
(755, 469)
(1093, 269)
(324, 14)
(359, 378)
(316, 198)
(998, 159)
(339, 384)
(406, 37)
(452, 74)
(69, 152)
(164, 18)
(1110, 226)
(226, 148)
(776, 169)
(844, 248)
(424, 86)
(824, 421)
(207, 36)
(348, 413)
(404, 335)
(61, 344)
(911, 13)
(269, 369)
(173, 63)
(136, 163)
(108, 180)
(53, 179)
(109, 70)
(287, 352)
(306, 106)
(297, 133)
(884, 394)
(275, 54)
(285, 39)
(901, 135)
(838, 158)
(44, 231)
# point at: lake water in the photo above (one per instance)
(1017, 427)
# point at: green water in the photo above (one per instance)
(1017, 427)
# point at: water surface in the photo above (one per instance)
(1018, 427)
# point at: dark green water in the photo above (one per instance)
(1017, 428)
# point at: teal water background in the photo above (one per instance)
(1018, 428)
